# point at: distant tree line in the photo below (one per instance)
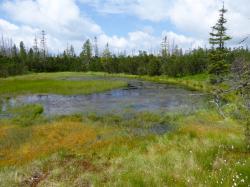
(173, 62)
(18, 60)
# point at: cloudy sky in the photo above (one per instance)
(125, 24)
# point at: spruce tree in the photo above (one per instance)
(218, 35)
(217, 56)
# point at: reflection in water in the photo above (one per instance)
(137, 97)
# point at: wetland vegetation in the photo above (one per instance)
(199, 147)
(40, 84)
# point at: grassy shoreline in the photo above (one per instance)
(197, 82)
(49, 83)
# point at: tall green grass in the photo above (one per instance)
(16, 87)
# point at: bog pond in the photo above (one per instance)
(138, 96)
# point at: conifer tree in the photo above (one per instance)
(218, 35)
(22, 53)
(14, 51)
(217, 56)
(106, 52)
(86, 53)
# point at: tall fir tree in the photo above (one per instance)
(217, 39)
(218, 34)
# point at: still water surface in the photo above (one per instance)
(139, 96)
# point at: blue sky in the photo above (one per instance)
(129, 25)
(121, 24)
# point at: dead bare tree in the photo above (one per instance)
(241, 84)
(43, 45)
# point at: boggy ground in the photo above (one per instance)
(200, 149)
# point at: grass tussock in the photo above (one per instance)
(27, 115)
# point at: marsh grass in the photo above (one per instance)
(19, 87)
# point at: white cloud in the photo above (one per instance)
(61, 19)
(18, 33)
(156, 10)
(195, 16)
(57, 16)
(183, 41)
(7, 26)
(141, 40)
